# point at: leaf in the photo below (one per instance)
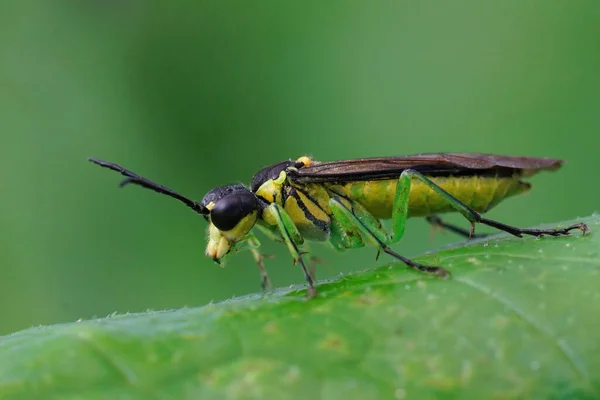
(518, 319)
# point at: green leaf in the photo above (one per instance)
(518, 319)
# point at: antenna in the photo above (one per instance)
(135, 179)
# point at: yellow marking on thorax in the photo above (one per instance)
(271, 189)
(478, 193)
(306, 215)
(318, 193)
(305, 160)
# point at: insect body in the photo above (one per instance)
(342, 202)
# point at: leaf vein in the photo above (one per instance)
(560, 344)
(127, 375)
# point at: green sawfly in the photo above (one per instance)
(343, 202)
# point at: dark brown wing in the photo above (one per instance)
(440, 164)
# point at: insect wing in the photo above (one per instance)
(456, 164)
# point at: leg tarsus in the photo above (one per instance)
(266, 282)
(471, 230)
(312, 264)
(582, 227)
(310, 291)
(292, 238)
(438, 271)
(259, 258)
(436, 221)
(534, 232)
(313, 268)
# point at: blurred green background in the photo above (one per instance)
(199, 94)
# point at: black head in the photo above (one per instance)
(233, 212)
(228, 205)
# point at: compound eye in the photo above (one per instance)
(231, 209)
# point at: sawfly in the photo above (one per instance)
(343, 202)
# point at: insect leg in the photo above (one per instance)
(400, 210)
(474, 217)
(271, 234)
(253, 245)
(373, 235)
(400, 213)
(312, 261)
(436, 221)
(292, 239)
(343, 233)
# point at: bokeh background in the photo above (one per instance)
(202, 93)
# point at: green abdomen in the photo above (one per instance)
(478, 193)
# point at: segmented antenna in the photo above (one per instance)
(135, 179)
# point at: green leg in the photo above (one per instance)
(291, 237)
(343, 234)
(253, 245)
(272, 233)
(374, 234)
(401, 206)
(400, 210)
(401, 199)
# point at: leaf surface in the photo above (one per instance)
(518, 319)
